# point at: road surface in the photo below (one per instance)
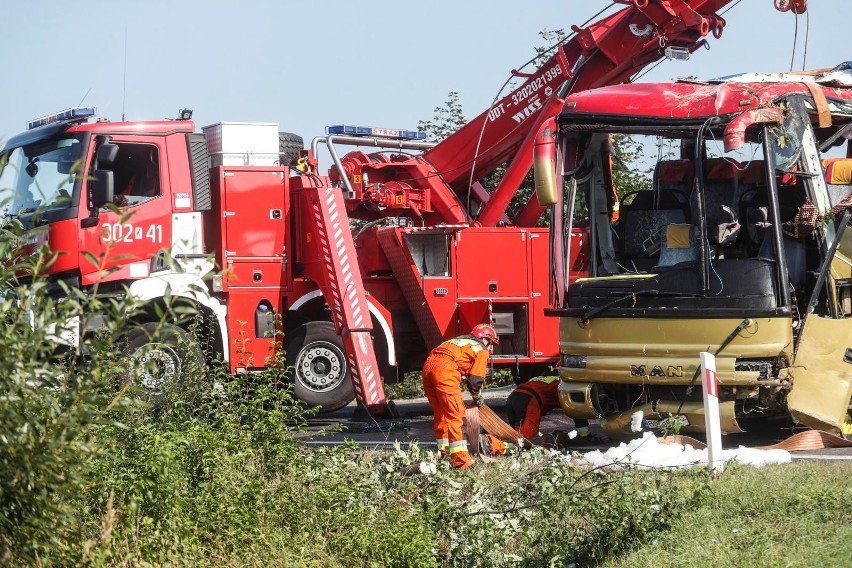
(414, 425)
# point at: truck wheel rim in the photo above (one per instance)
(320, 367)
(156, 366)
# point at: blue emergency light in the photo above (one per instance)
(378, 132)
(75, 114)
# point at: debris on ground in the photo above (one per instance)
(649, 452)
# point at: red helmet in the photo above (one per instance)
(485, 331)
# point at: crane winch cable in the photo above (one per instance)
(807, 35)
(795, 40)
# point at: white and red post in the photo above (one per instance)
(712, 425)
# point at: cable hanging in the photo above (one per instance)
(795, 41)
(807, 34)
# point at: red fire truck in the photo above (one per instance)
(364, 269)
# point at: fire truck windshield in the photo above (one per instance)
(41, 176)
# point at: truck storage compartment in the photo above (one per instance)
(255, 273)
(242, 143)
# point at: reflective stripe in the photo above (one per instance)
(545, 380)
(474, 344)
(458, 447)
(443, 443)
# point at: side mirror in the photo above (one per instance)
(64, 167)
(544, 164)
(101, 188)
(106, 154)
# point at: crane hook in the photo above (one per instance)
(797, 6)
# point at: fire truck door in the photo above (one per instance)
(255, 228)
(124, 241)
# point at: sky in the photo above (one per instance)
(316, 63)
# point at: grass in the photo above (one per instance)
(797, 514)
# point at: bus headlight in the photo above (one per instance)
(574, 361)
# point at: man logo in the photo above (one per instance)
(673, 371)
(657, 371)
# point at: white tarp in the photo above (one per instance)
(648, 452)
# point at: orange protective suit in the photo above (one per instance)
(529, 402)
(446, 366)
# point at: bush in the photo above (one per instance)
(91, 474)
(198, 476)
(537, 509)
(50, 406)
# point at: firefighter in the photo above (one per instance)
(529, 402)
(533, 399)
(524, 408)
(464, 357)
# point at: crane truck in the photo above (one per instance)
(741, 248)
(362, 270)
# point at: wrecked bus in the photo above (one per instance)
(740, 247)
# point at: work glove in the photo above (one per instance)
(475, 383)
(477, 399)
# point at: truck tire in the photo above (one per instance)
(317, 365)
(289, 145)
(162, 360)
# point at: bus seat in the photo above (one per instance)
(643, 219)
(678, 245)
(838, 178)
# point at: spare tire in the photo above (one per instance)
(289, 145)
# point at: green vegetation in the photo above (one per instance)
(446, 120)
(94, 472)
(411, 386)
(798, 514)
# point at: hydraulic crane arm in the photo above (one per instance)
(441, 185)
(434, 186)
(609, 51)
